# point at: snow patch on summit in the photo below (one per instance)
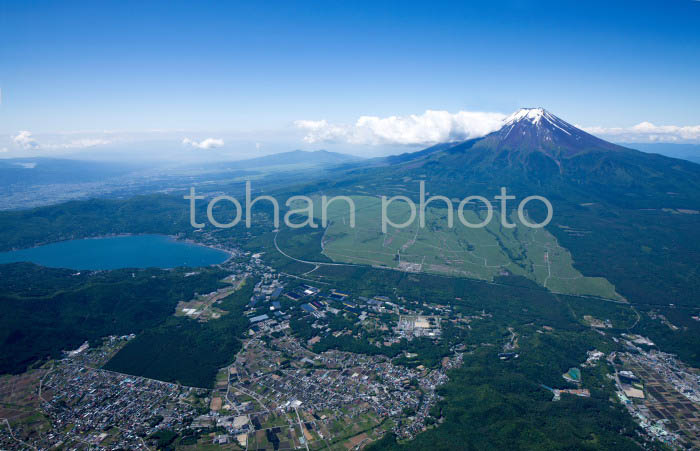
(533, 115)
(537, 117)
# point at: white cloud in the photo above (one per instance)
(320, 131)
(427, 128)
(209, 143)
(3, 150)
(25, 140)
(648, 132)
(434, 126)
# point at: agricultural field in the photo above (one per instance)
(20, 413)
(479, 253)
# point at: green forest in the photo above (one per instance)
(185, 351)
(489, 404)
(47, 311)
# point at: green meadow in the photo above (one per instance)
(479, 253)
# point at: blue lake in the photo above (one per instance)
(134, 251)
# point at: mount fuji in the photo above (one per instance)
(536, 150)
(537, 128)
(625, 215)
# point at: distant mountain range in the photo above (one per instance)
(42, 170)
(45, 171)
(292, 158)
(319, 157)
(30, 182)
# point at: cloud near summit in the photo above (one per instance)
(436, 126)
(431, 127)
(648, 132)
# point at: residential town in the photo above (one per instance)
(292, 386)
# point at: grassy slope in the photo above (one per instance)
(458, 251)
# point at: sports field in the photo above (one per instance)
(458, 251)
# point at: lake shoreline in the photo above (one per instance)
(150, 250)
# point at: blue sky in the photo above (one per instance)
(246, 72)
